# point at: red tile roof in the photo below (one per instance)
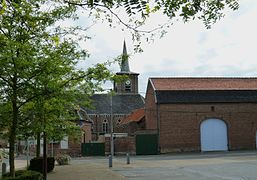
(207, 83)
(135, 116)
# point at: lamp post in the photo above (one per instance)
(111, 128)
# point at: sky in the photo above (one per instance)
(228, 49)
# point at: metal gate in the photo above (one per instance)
(92, 149)
(146, 144)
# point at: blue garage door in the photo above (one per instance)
(214, 135)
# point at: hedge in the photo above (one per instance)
(23, 175)
(36, 164)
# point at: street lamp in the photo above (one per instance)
(111, 127)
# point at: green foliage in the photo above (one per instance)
(207, 10)
(39, 81)
(23, 175)
(36, 164)
(170, 8)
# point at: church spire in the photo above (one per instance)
(130, 86)
(124, 61)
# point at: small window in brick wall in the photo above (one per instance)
(105, 126)
(118, 121)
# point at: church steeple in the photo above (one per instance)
(130, 86)
(124, 61)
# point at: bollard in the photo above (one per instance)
(3, 168)
(128, 158)
(110, 160)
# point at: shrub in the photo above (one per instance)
(63, 159)
(23, 175)
(36, 164)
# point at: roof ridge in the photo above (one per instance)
(204, 83)
(211, 77)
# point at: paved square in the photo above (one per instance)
(199, 166)
(239, 165)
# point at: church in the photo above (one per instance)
(107, 108)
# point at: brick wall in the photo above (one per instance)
(86, 133)
(74, 148)
(131, 128)
(150, 108)
(120, 87)
(98, 120)
(180, 125)
(122, 145)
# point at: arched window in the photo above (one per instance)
(105, 126)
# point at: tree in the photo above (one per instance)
(38, 64)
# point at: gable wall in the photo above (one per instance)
(150, 108)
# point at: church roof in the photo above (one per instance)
(121, 104)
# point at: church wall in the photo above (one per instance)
(100, 119)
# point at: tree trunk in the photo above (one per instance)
(38, 146)
(44, 157)
(12, 138)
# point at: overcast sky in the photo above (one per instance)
(229, 48)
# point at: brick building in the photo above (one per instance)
(202, 114)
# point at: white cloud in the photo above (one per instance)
(228, 49)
